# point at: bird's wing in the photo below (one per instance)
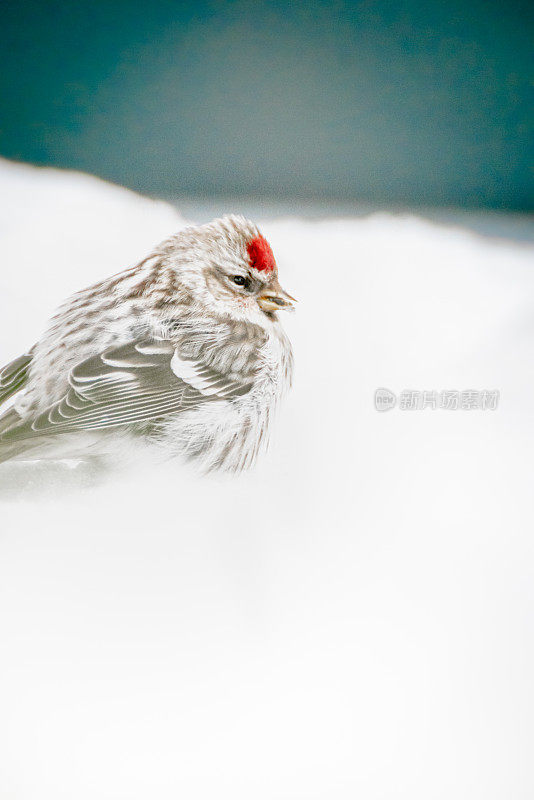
(13, 376)
(137, 382)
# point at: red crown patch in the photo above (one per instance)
(260, 255)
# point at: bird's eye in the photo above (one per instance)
(239, 280)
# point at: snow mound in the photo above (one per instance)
(353, 618)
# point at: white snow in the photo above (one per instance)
(352, 619)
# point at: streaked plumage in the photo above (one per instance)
(172, 353)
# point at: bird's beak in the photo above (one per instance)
(274, 298)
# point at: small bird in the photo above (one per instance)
(183, 352)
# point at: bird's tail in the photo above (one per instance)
(13, 378)
(13, 449)
(14, 375)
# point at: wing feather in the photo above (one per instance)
(133, 383)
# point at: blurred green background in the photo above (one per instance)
(391, 103)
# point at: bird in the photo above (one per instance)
(183, 353)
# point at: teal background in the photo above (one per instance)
(391, 103)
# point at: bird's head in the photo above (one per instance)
(230, 270)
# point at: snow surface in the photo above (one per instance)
(352, 619)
